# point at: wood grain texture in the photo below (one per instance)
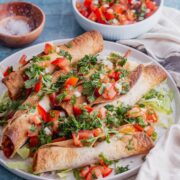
(60, 23)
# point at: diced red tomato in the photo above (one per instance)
(42, 113)
(117, 8)
(151, 116)
(93, 7)
(53, 115)
(149, 130)
(97, 132)
(135, 112)
(23, 60)
(38, 85)
(92, 16)
(107, 171)
(77, 111)
(33, 141)
(97, 171)
(62, 63)
(35, 120)
(88, 108)
(72, 81)
(138, 127)
(115, 75)
(89, 176)
(84, 172)
(100, 16)
(130, 1)
(32, 134)
(150, 5)
(109, 15)
(48, 48)
(109, 92)
(8, 70)
(59, 139)
(87, 3)
(28, 92)
(85, 134)
(76, 140)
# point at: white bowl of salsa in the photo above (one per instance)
(114, 19)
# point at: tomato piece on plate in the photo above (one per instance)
(100, 16)
(53, 115)
(33, 141)
(85, 134)
(72, 81)
(62, 63)
(38, 85)
(117, 8)
(77, 111)
(48, 48)
(76, 140)
(151, 116)
(97, 132)
(52, 98)
(8, 70)
(149, 130)
(109, 15)
(106, 171)
(42, 112)
(87, 3)
(84, 172)
(138, 127)
(88, 108)
(23, 60)
(102, 113)
(109, 92)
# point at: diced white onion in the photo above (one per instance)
(47, 131)
(108, 64)
(115, 21)
(77, 93)
(110, 11)
(62, 114)
(118, 86)
(57, 49)
(105, 5)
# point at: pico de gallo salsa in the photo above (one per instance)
(117, 12)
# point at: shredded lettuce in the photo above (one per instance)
(63, 174)
(21, 165)
(159, 100)
(23, 152)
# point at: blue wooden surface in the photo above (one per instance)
(60, 23)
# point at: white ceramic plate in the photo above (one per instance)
(134, 162)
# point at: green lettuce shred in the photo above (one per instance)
(21, 165)
(159, 100)
(24, 152)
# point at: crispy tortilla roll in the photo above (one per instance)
(142, 80)
(15, 137)
(89, 43)
(58, 156)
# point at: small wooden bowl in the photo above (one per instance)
(28, 12)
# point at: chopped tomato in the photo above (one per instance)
(84, 172)
(53, 115)
(89, 176)
(8, 70)
(100, 16)
(149, 130)
(42, 113)
(48, 48)
(77, 111)
(115, 75)
(106, 171)
(150, 5)
(92, 16)
(72, 81)
(87, 3)
(109, 15)
(76, 140)
(38, 85)
(23, 60)
(97, 132)
(93, 7)
(28, 92)
(117, 8)
(85, 134)
(59, 139)
(96, 93)
(33, 141)
(32, 134)
(109, 92)
(135, 112)
(88, 108)
(62, 63)
(151, 116)
(138, 127)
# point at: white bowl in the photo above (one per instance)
(115, 32)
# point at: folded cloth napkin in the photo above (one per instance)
(163, 161)
(163, 42)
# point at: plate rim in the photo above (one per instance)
(129, 173)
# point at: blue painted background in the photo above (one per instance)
(60, 23)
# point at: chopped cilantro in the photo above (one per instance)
(40, 58)
(105, 160)
(61, 96)
(65, 54)
(121, 169)
(32, 128)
